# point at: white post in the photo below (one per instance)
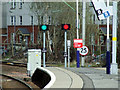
(83, 30)
(108, 40)
(14, 35)
(68, 57)
(108, 46)
(77, 20)
(77, 52)
(114, 66)
(33, 30)
(44, 49)
(13, 3)
(14, 31)
(65, 53)
(68, 44)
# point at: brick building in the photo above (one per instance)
(18, 15)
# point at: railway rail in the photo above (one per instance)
(10, 82)
(25, 64)
(14, 64)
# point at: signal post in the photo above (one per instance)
(44, 28)
(65, 27)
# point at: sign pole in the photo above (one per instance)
(44, 49)
(108, 46)
(65, 53)
(77, 20)
(114, 66)
(83, 30)
(68, 57)
(77, 52)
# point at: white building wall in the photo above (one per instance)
(26, 15)
(24, 12)
(0, 14)
(3, 15)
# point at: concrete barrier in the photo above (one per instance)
(43, 78)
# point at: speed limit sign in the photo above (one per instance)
(83, 51)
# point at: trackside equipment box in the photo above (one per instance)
(34, 60)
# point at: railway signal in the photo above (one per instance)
(44, 27)
(65, 26)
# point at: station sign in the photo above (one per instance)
(101, 10)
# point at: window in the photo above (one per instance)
(31, 20)
(38, 38)
(102, 22)
(26, 40)
(42, 19)
(49, 20)
(31, 37)
(39, 19)
(20, 4)
(11, 37)
(13, 4)
(93, 19)
(13, 20)
(20, 20)
(101, 38)
(20, 38)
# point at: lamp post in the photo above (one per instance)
(83, 30)
(13, 42)
(114, 65)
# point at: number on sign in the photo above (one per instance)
(84, 50)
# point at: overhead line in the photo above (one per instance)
(69, 5)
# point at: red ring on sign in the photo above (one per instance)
(86, 53)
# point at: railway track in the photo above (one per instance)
(13, 83)
(25, 64)
(14, 64)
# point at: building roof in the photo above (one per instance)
(24, 31)
(104, 30)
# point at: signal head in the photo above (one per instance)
(65, 26)
(43, 27)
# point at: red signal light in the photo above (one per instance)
(65, 26)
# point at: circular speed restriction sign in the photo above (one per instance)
(83, 51)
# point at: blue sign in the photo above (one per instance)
(99, 11)
(106, 14)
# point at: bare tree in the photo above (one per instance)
(60, 13)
